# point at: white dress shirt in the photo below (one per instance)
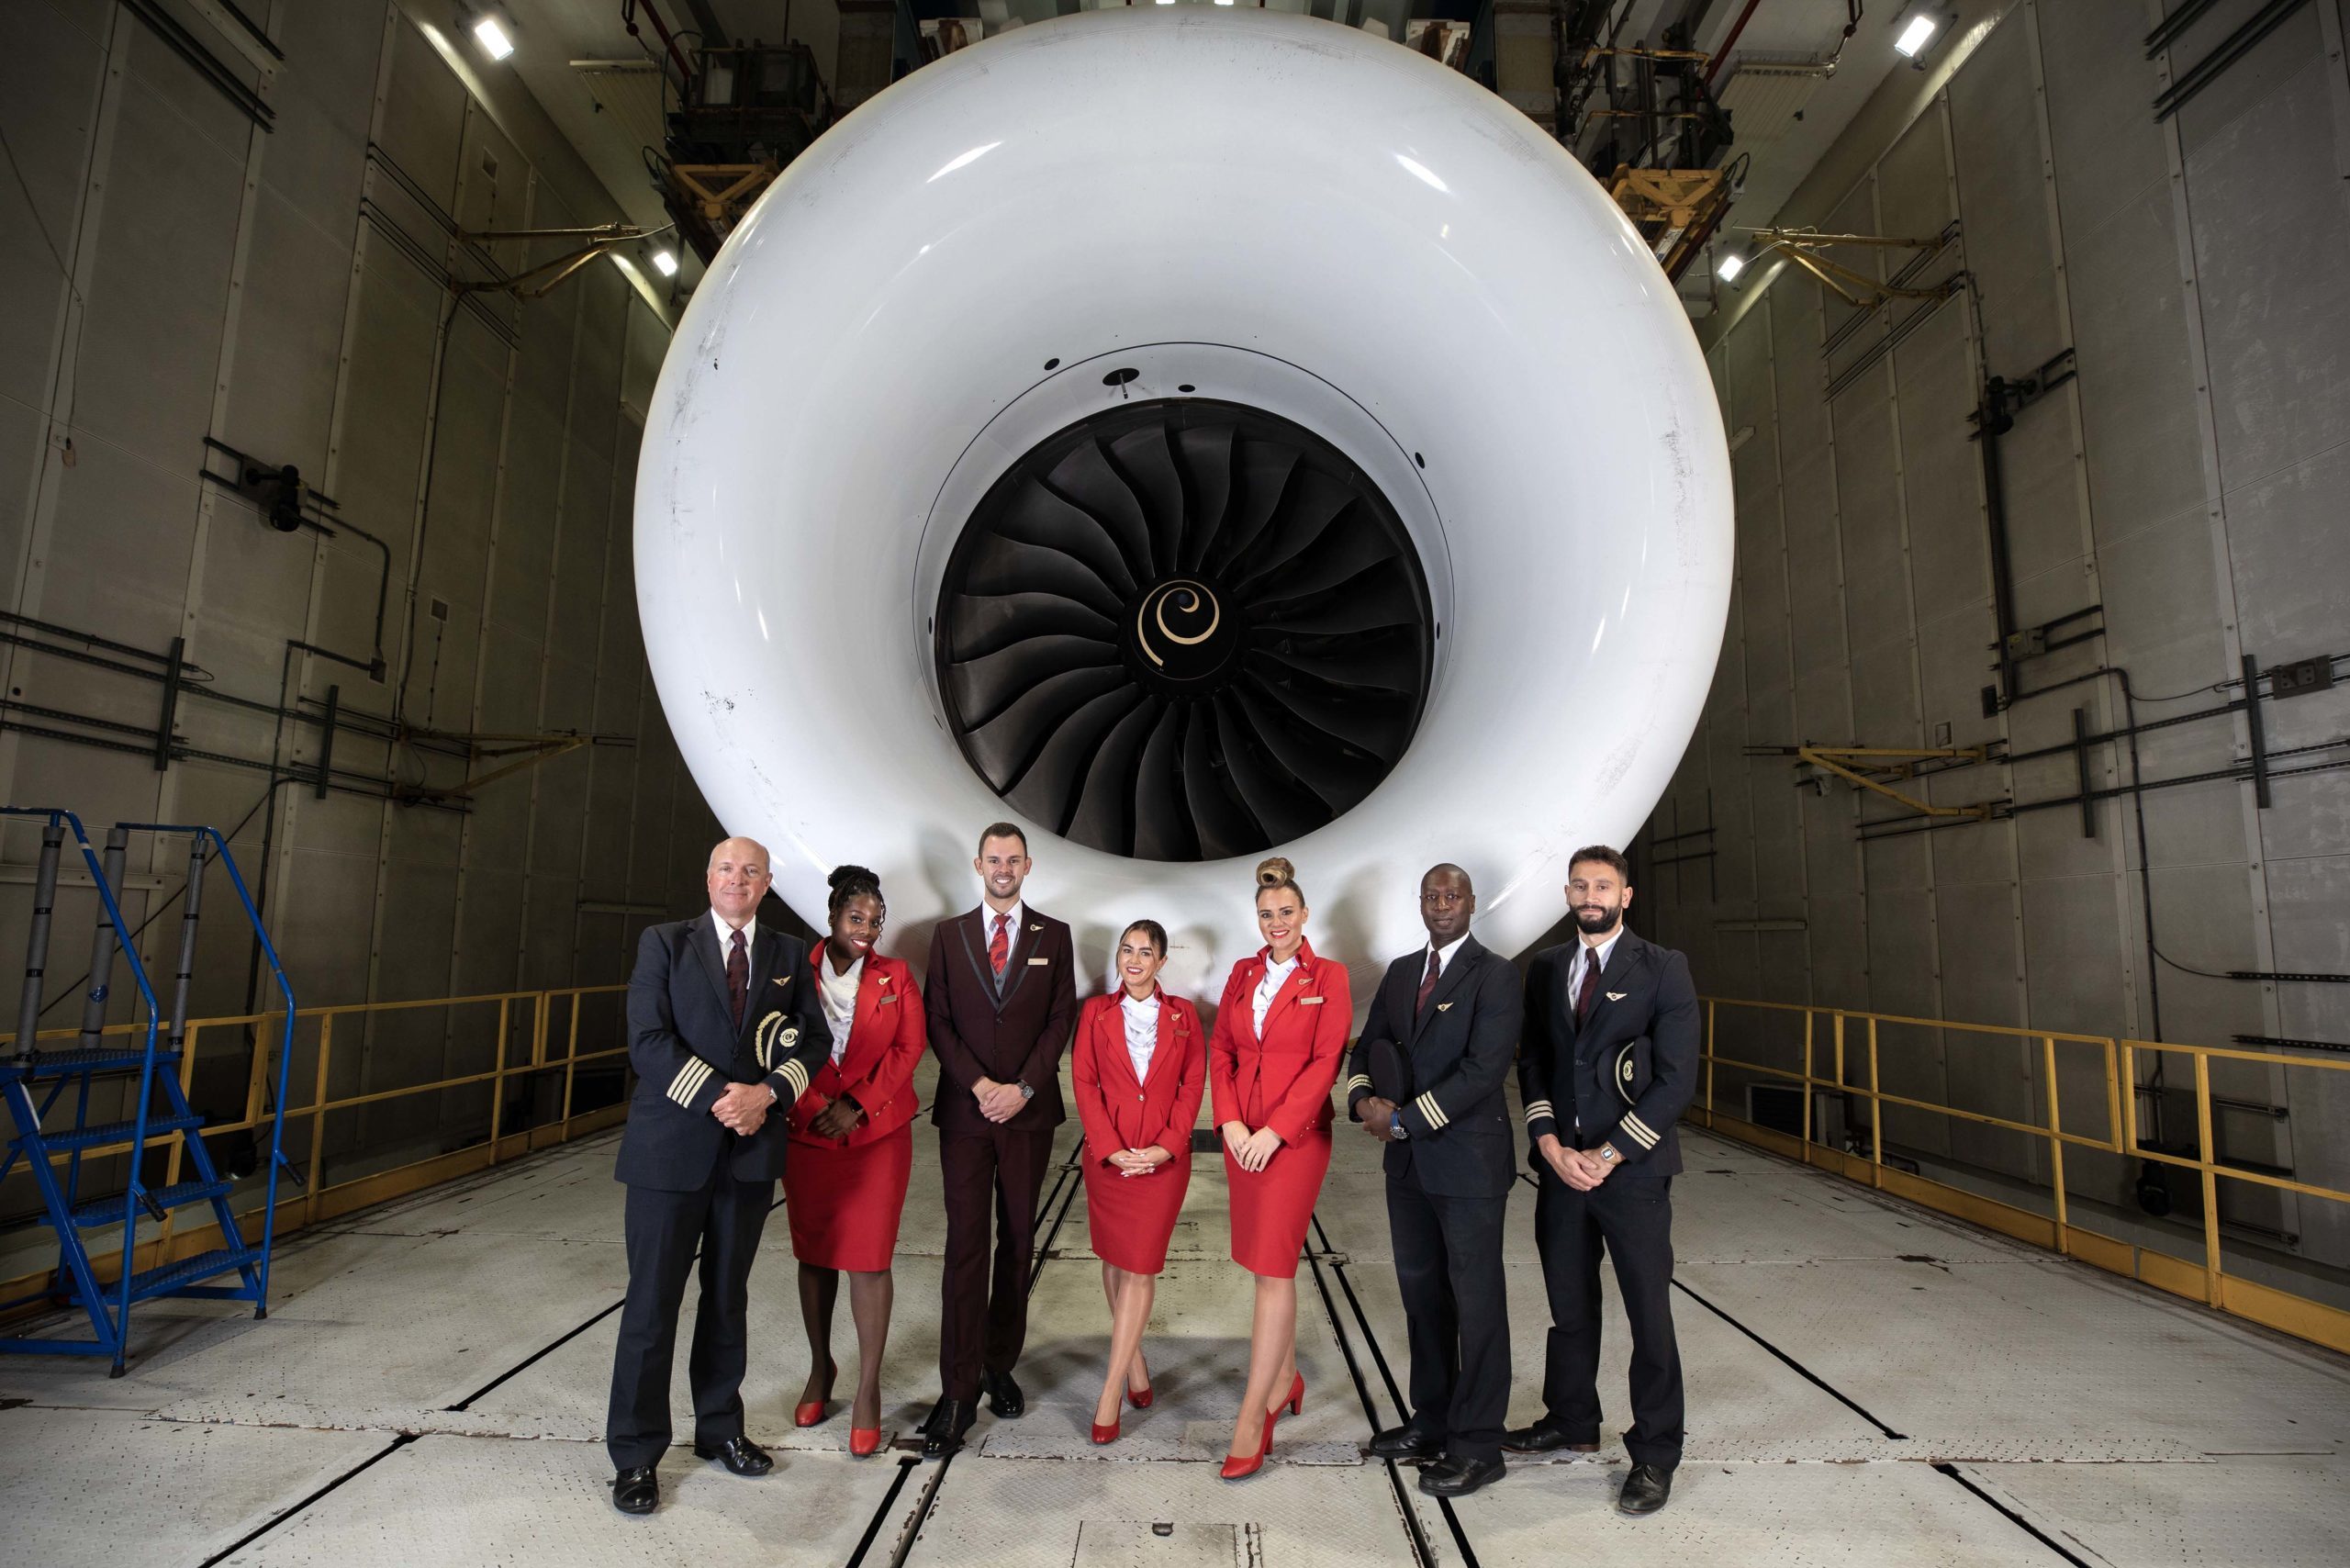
(1016, 914)
(1276, 975)
(1141, 1031)
(838, 992)
(726, 935)
(1586, 957)
(1443, 955)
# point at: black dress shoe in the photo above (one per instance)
(1003, 1394)
(1453, 1476)
(942, 1433)
(636, 1491)
(1542, 1438)
(741, 1455)
(1405, 1442)
(1645, 1490)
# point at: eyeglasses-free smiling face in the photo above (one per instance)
(1139, 961)
(1281, 920)
(738, 879)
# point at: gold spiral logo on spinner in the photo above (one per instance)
(1195, 600)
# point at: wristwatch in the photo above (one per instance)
(1026, 1092)
(1395, 1126)
(1608, 1155)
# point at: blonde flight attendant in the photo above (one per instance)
(1281, 1035)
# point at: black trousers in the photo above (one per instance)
(1449, 1270)
(723, 1219)
(985, 1321)
(1629, 1216)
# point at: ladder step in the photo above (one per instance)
(109, 1210)
(113, 1132)
(79, 1060)
(189, 1270)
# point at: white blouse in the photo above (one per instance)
(1141, 1032)
(838, 992)
(1276, 975)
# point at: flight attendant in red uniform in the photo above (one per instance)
(1139, 1063)
(851, 1149)
(1281, 1035)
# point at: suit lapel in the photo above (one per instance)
(1621, 959)
(1166, 1056)
(1448, 981)
(1024, 948)
(702, 939)
(975, 951)
(1292, 989)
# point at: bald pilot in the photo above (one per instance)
(723, 1046)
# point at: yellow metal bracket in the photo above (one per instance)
(1872, 768)
(1802, 246)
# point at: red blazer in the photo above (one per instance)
(885, 1041)
(1116, 1111)
(1282, 1081)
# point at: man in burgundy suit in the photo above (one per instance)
(1002, 999)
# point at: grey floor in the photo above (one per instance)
(1868, 1385)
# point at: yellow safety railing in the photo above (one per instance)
(1849, 1039)
(317, 1200)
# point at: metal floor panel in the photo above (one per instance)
(77, 1481)
(450, 1502)
(2265, 1512)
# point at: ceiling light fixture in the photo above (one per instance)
(1729, 266)
(492, 38)
(1916, 33)
(666, 263)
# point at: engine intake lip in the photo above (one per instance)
(1183, 629)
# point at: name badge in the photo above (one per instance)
(1035, 961)
(1311, 1001)
(887, 997)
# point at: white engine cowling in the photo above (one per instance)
(1151, 208)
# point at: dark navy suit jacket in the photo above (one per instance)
(1456, 1137)
(1631, 1069)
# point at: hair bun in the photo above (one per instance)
(1275, 872)
(844, 875)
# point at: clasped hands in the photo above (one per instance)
(742, 1107)
(997, 1102)
(1253, 1151)
(1378, 1117)
(1580, 1169)
(1139, 1161)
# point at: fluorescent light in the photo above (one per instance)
(492, 37)
(1914, 37)
(665, 263)
(1729, 266)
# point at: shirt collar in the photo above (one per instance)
(726, 932)
(1018, 912)
(1444, 954)
(1606, 949)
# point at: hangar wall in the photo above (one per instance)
(2190, 480)
(182, 273)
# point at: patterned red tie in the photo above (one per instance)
(738, 976)
(1428, 986)
(999, 944)
(1590, 985)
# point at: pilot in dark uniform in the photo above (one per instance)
(1426, 1080)
(723, 1047)
(1610, 1062)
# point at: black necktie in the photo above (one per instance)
(738, 976)
(1428, 986)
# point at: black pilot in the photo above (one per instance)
(1610, 1063)
(720, 1041)
(1426, 1080)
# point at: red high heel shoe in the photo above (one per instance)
(811, 1413)
(1102, 1434)
(1236, 1467)
(863, 1441)
(1294, 1403)
(1141, 1397)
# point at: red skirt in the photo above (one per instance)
(843, 1202)
(1270, 1209)
(1130, 1217)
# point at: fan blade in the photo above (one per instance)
(1381, 728)
(1087, 480)
(1036, 516)
(1346, 551)
(1104, 817)
(982, 688)
(1046, 788)
(1205, 453)
(1226, 827)
(1314, 502)
(1006, 744)
(1379, 662)
(1144, 462)
(1163, 829)
(1287, 811)
(1337, 773)
(1261, 473)
(1386, 603)
(979, 624)
(1006, 565)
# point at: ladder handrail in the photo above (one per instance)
(285, 1044)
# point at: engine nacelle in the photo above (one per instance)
(1185, 431)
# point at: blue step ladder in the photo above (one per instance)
(33, 1081)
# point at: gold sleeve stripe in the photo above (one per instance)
(689, 1082)
(1359, 1080)
(1639, 1129)
(1431, 1110)
(1539, 1110)
(796, 1074)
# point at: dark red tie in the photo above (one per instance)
(1000, 946)
(1428, 986)
(1590, 986)
(738, 976)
